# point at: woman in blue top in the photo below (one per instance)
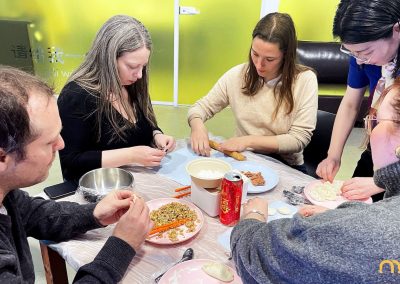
(370, 32)
(358, 79)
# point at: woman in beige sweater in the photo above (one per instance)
(273, 99)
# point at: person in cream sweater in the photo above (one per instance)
(273, 99)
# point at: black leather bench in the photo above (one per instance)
(331, 66)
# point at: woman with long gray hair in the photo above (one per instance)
(105, 107)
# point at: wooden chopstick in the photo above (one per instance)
(166, 227)
(182, 194)
(182, 188)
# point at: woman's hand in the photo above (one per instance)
(147, 156)
(199, 138)
(165, 142)
(238, 144)
(328, 169)
(360, 188)
(259, 205)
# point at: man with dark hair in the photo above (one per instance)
(29, 139)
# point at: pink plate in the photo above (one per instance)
(328, 204)
(188, 271)
(157, 203)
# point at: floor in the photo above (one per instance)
(172, 120)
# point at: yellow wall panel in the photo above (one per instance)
(313, 18)
(61, 32)
(213, 42)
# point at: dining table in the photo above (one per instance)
(160, 182)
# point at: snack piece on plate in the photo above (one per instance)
(256, 178)
(218, 271)
(326, 191)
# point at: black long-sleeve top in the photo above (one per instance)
(56, 221)
(83, 151)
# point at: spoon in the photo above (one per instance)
(187, 255)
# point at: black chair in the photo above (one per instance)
(317, 150)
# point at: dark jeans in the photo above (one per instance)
(365, 168)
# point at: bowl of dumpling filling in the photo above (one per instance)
(207, 172)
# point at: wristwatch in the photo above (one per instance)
(256, 212)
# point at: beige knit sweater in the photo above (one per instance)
(253, 115)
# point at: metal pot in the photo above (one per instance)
(94, 185)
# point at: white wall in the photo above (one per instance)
(268, 6)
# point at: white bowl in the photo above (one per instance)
(207, 172)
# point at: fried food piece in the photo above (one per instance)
(256, 178)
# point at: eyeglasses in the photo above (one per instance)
(359, 59)
(371, 121)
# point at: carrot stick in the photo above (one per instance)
(168, 226)
(182, 194)
(182, 188)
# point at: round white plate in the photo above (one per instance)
(270, 176)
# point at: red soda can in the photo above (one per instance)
(231, 197)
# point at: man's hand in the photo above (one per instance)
(110, 209)
(133, 227)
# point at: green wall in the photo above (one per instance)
(213, 42)
(61, 32)
(313, 18)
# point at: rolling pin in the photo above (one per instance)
(236, 155)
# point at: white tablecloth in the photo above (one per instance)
(152, 258)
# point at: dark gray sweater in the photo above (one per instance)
(55, 221)
(345, 245)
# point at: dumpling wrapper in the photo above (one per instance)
(284, 210)
(218, 271)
